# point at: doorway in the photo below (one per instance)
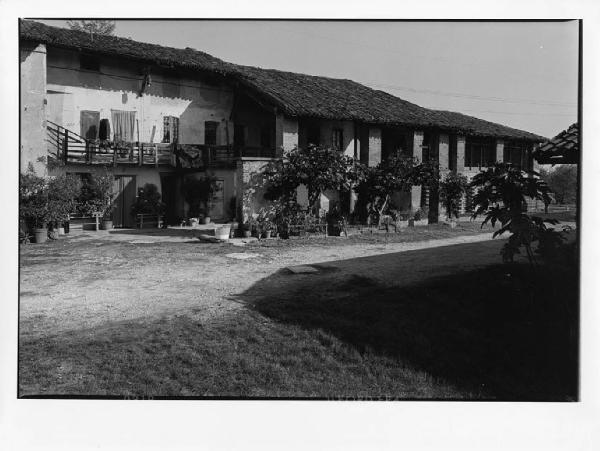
(125, 188)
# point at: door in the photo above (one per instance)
(90, 123)
(125, 189)
(172, 196)
(217, 206)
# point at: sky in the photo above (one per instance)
(521, 74)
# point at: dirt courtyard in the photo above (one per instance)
(90, 279)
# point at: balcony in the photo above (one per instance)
(68, 147)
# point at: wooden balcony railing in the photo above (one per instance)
(68, 147)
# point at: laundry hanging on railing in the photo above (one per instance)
(124, 125)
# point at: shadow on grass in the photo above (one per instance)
(506, 331)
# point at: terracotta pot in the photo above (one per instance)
(40, 234)
(267, 234)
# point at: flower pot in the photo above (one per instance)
(453, 224)
(223, 232)
(267, 234)
(40, 234)
(206, 220)
(193, 222)
(106, 225)
(246, 233)
(61, 230)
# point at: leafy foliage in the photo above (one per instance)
(101, 27)
(376, 184)
(562, 182)
(97, 195)
(452, 187)
(318, 168)
(501, 198)
(148, 201)
(199, 193)
(33, 199)
(63, 192)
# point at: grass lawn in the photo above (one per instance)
(442, 323)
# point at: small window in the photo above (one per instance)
(337, 139)
(480, 152)
(170, 129)
(518, 154)
(89, 62)
(210, 133)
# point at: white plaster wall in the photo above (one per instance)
(118, 86)
(33, 108)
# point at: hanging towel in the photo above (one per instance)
(124, 125)
(104, 132)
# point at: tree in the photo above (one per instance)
(377, 184)
(563, 183)
(318, 168)
(451, 190)
(100, 27)
(501, 196)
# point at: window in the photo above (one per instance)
(89, 62)
(210, 133)
(426, 147)
(170, 129)
(337, 139)
(123, 125)
(517, 153)
(480, 152)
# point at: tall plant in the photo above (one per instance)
(452, 188)
(97, 195)
(63, 192)
(377, 184)
(501, 197)
(33, 200)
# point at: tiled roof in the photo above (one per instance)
(126, 48)
(294, 94)
(562, 149)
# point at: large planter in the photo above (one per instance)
(267, 234)
(206, 220)
(223, 232)
(40, 234)
(106, 225)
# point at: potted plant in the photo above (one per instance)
(33, 204)
(452, 188)
(97, 197)
(223, 232)
(63, 192)
(419, 218)
(148, 203)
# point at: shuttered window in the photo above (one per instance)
(337, 139)
(210, 133)
(170, 129)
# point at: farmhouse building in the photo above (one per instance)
(155, 114)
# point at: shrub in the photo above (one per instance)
(501, 196)
(452, 187)
(33, 200)
(148, 201)
(97, 195)
(63, 192)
